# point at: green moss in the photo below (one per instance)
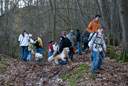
(111, 52)
(76, 74)
(124, 57)
(120, 57)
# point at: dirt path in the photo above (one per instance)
(48, 74)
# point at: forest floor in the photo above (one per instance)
(14, 72)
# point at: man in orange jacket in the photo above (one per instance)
(94, 25)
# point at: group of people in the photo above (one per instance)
(63, 49)
(30, 45)
(66, 40)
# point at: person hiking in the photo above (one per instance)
(71, 37)
(23, 43)
(65, 42)
(30, 48)
(50, 48)
(78, 42)
(93, 26)
(55, 46)
(98, 48)
(85, 36)
(39, 45)
(39, 48)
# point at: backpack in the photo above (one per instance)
(89, 39)
(98, 41)
(67, 42)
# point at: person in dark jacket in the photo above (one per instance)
(85, 37)
(65, 42)
(78, 40)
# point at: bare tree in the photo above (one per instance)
(1, 5)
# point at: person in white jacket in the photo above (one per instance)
(98, 48)
(23, 43)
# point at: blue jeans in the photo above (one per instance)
(29, 57)
(39, 50)
(24, 52)
(101, 57)
(95, 61)
(78, 47)
(50, 53)
(63, 62)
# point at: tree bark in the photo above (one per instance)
(1, 3)
(123, 20)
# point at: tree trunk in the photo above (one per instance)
(6, 5)
(1, 3)
(123, 19)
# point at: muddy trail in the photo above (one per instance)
(14, 72)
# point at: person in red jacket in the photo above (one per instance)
(50, 48)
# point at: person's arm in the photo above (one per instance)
(104, 46)
(32, 41)
(90, 44)
(20, 38)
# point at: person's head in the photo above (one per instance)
(63, 33)
(104, 28)
(24, 32)
(96, 18)
(71, 31)
(50, 42)
(100, 31)
(40, 34)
